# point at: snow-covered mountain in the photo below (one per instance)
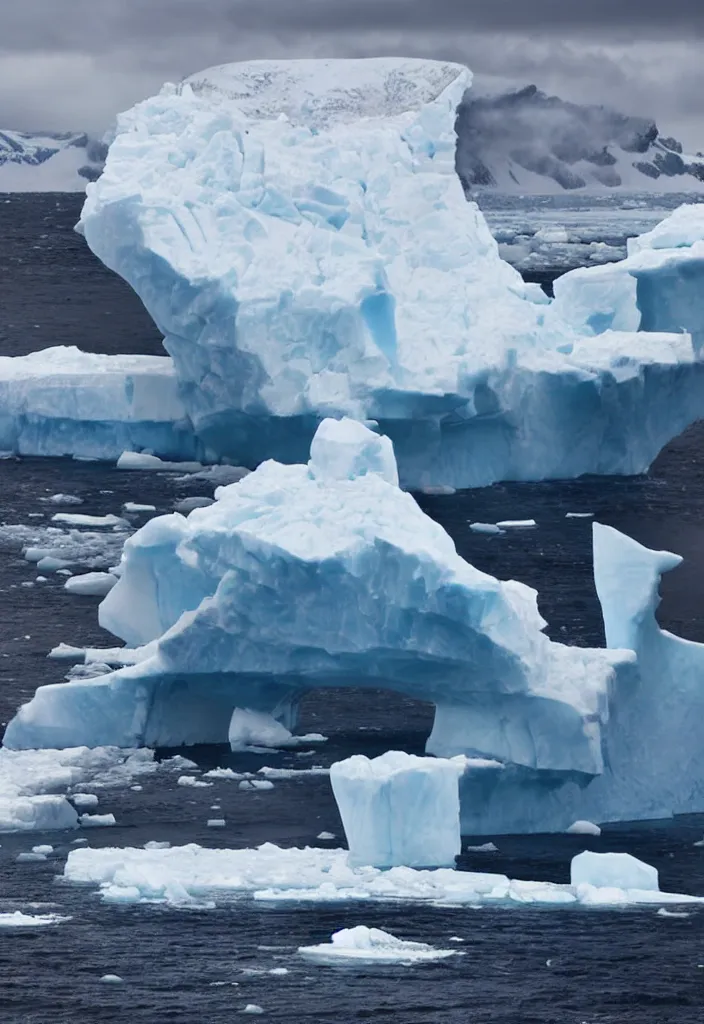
(49, 161)
(530, 142)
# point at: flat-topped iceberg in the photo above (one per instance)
(326, 574)
(298, 232)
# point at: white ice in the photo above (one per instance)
(271, 874)
(17, 919)
(613, 871)
(372, 945)
(584, 828)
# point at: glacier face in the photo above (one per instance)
(298, 232)
(327, 574)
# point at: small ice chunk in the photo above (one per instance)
(485, 528)
(134, 506)
(372, 945)
(186, 505)
(154, 845)
(111, 979)
(141, 460)
(178, 763)
(20, 920)
(96, 820)
(483, 848)
(136, 789)
(256, 729)
(326, 835)
(579, 515)
(279, 971)
(584, 828)
(91, 584)
(252, 1008)
(63, 499)
(81, 519)
(223, 773)
(217, 476)
(44, 849)
(82, 800)
(27, 857)
(507, 524)
(664, 912)
(50, 564)
(613, 871)
(215, 823)
(192, 781)
(256, 784)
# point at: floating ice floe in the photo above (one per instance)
(147, 461)
(258, 729)
(91, 584)
(17, 919)
(372, 945)
(135, 506)
(485, 528)
(399, 809)
(298, 233)
(270, 874)
(35, 785)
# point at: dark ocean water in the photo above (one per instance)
(521, 966)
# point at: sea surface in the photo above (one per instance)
(520, 965)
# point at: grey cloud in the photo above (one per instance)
(75, 63)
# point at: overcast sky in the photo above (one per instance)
(76, 63)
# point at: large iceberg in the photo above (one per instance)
(658, 287)
(328, 574)
(318, 575)
(299, 234)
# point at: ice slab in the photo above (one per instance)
(18, 919)
(613, 870)
(271, 874)
(324, 262)
(91, 584)
(372, 945)
(62, 401)
(399, 809)
(296, 579)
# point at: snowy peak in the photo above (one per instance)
(317, 93)
(532, 142)
(49, 161)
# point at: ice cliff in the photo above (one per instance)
(298, 232)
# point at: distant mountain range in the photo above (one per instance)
(49, 161)
(527, 141)
(523, 141)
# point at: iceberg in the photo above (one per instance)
(328, 574)
(298, 232)
(613, 871)
(399, 809)
(319, 575)
(658, 287)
